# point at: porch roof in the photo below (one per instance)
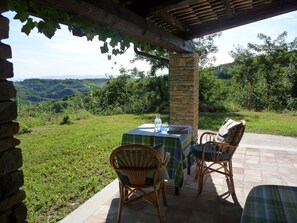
(172, 23)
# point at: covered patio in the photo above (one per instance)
(259, 160)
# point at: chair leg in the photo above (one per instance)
(229, 176)
(198, 166)
(227, 172)
(201, 177)
(121, 202)
(232, 186)
(164, 193)
(197, 171)
(200, 184)
(157, 205)
(189, 165)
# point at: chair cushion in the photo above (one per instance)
(160, 149)
(196, 150)
(227, 131)
(163, 175)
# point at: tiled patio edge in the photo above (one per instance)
(84, 211)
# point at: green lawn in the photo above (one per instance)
(257, 122)
(64, 165)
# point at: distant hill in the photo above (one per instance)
(223, 71)
(37, 90)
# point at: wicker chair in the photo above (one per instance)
(215, 150)
(142, 173)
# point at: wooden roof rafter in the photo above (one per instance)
(170, 19)
(242, 17)
(228, 8)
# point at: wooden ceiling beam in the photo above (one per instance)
(162, 10)
(170, 20)
(172, 4)
(241, 18)
(228, 8)
(110, 15)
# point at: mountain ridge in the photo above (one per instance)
(37, 90)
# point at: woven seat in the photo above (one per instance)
(141, 172)
(215, 150)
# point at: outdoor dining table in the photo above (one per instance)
(178, 145)
(271, 203)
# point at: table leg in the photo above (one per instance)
(189, 164)
(176, 190)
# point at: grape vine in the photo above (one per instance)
(114, 42)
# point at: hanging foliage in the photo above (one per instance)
(114, 43)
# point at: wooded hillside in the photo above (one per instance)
(37, 90)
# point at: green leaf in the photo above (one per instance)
(90, 36)
(102, 37)
(113, 42)
(30, 25)
(125, 45)
(48, 26)
(48, 29)
(104, 48)
(116, 52)
(22, 16)
(40, 26)
(147, 48)
(18, 6)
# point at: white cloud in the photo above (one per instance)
(223, 57)
(74, 47)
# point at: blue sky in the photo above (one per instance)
(36, 56)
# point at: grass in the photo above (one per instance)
(257, 122)
(64, 165)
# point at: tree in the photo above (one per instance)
(245, 74)
(266, 72)
(205, 46)
(212, 92)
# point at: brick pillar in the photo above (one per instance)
(183, 90)
(12, 208)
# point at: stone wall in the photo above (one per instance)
(183, 90)
(12, 208)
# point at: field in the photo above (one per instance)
(64, 165)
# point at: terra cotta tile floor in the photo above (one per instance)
(252, 165)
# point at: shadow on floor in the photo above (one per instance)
(188, 206)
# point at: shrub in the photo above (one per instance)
(25, 130)
(80, 114)
(65, 120)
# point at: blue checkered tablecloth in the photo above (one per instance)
(271, 204)
(175, 144)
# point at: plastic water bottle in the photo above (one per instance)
(158, 123)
